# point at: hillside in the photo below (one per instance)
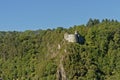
(45, 55)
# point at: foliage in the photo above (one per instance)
(34, 55)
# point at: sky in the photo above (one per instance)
(21, 15)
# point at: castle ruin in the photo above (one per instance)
(73, 37)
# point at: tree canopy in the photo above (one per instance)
(45, 55)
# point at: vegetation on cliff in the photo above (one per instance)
(45, 55)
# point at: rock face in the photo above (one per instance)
(73, 37)
(61, 75)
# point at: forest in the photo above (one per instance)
(45, 55)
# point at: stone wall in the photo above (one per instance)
(70, 37)
(73, 37)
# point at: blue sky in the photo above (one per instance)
(23, 15)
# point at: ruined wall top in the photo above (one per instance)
(71, 37)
